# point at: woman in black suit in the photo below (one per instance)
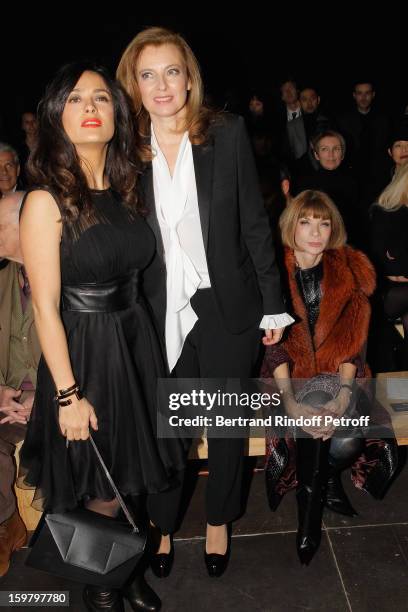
(214, 277)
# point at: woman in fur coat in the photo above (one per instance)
(329, 285)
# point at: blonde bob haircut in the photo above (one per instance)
(314, 204)
(198, 117)
(395, 194)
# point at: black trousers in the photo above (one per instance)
(211, 351)
(396, 305)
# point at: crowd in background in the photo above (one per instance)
(353, 156)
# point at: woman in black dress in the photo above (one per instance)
(85, 244)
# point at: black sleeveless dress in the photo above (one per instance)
(116, 359)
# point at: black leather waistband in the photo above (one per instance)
(117, 294)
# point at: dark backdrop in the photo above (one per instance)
(238, 55)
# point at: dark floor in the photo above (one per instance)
(362, 564)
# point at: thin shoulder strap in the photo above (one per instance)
(114, 487)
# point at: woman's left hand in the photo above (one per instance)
(272, 336)
(339, 405)
(336, 408)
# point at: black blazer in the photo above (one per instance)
(389, 231)
(237, 238)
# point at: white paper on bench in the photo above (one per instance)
(397, 388)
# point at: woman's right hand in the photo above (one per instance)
(296, 409)
(74, 419)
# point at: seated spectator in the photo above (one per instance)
(398, 149)
(292, 132)
(323, 353)
(261, 131)
(333, 177)
(29, 126)
(367, 132)
(265, 156)
(314, 120)
(275, 188)
(286, 184)
(9, 169)
(19, 355)
(290, 98)
(389, 247)
(256, 116)
(309, 100)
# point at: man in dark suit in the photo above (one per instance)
(314, 119)
(290, 123)
(367, 132)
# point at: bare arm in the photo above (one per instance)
(40, 236)
(339, 405)
(347, 373)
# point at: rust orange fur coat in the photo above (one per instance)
(341, 329)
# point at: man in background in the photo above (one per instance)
(19, 356)
(9, 169)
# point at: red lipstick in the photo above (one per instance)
(91, 123)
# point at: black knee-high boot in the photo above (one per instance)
(312, 469)
(343, 452)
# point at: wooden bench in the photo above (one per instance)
(399, 419)
(29, 515)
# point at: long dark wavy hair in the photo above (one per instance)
(55, 164)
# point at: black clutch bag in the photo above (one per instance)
(88, 547)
